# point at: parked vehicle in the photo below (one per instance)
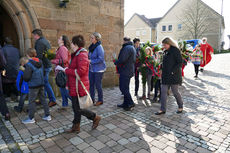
(194, 42)
(142, 44)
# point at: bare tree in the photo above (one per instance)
(196, 19)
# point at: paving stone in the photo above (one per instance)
(47, 143)
(62, 142)
(142, 151)
(169, 149)
(83, 134)
(134, 139)
(103, 138)
(90, 150)
(123, 141)
(154, 149)
(111, 143)
(53, 149)
(133, 147)
(199, 149)
(126, 151)
(83, 146)
(110, 126)
(38, 150)
(115, 136)
(97, 144)
(76, 141)
(69, 149)
(106, 150)
(118, 148)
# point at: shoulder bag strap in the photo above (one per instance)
(78, 79)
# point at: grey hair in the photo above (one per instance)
(97, 36)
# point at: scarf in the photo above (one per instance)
(92, 47)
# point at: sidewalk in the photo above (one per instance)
(203, 127)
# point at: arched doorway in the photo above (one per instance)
(7, 28)
(17, 21)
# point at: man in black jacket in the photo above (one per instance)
(125, 66)
(41, 46)
(12, 57)
(3, 107)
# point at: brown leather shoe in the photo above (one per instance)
(75, 128)
(98, 103)
(96, 122)
(51, 104)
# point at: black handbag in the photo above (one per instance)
(61, 78)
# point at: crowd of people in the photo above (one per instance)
(28, 76)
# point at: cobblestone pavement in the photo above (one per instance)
(203, 127)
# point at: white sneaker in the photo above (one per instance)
(47, 118)
(28, 121)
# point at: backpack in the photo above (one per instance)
(61, 78)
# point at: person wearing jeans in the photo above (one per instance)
(97, 67)
(62, 58)
(125, 65)
(22, 86)
(47, 85)
(128, 101)
(41, 46)
(171, 74)
(65, 96)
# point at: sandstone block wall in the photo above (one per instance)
(85, 17)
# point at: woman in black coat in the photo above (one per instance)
(3, 107)
(171, 74)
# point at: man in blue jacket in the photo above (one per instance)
(125, 66)
(41, 46)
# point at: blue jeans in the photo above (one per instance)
(95, 79)
(22, 100)
(48, 88)
(124, 86)
(65, 96)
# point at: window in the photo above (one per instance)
(137, 33)
(179, 26)
(163, 28)
(143, 32)
(170, 28)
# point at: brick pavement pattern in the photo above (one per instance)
(202, 127)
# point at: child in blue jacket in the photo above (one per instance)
(22, 86)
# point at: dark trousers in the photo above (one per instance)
(152, 83)
(3, 107)
(124, 86)
(157, 88)
(95, 79)
(78, 111)
(136, 81)
(9, 89)
(196, 66)
(33, 93)
(22, 100)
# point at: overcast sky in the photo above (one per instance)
(157, 8)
